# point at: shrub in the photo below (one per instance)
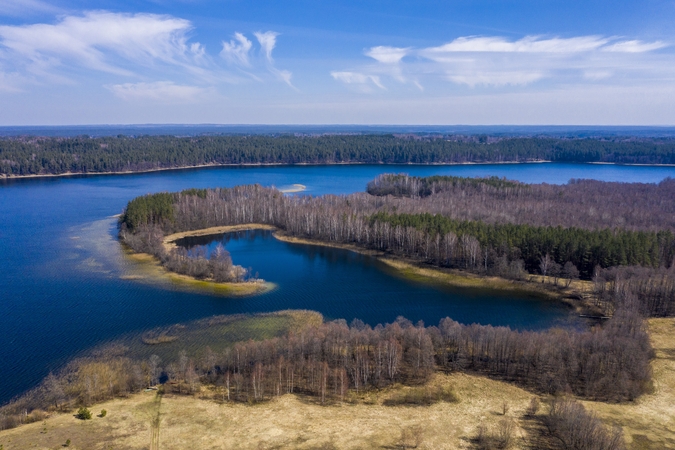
(83, 413)
(576, 428)
(67, 442)
(533, 408)
(423, 396)
(103, 413)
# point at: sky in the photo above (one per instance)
(422, 62)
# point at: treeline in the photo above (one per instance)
(333, 359)
(471, 244)
(37, 155)
(654, 287)
(585, 204)
(403, 185)
(494, 249)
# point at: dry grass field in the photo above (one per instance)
(649, 423)
(291, 421)
(286, 422)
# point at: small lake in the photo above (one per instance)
(64, 289)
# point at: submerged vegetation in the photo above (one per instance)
(20, 156)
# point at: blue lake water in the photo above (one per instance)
(62, 285)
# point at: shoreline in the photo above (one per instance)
(414, 269)
(154, 271)
(348, 163)
(169, 242)
(575, 296)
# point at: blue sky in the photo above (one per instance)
(340, 62)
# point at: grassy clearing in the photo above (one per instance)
(422, 396)
(288, 421)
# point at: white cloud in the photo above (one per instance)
(528, 44)
(362, 80)
(102, 41)
(159, 91)
(236, 51)
(267, 40)
(387, 55)
(497, 61)
(496, 78)
(634, 46)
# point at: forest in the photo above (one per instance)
(401, 226)
(21, 156)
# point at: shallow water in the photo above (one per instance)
(61, 290)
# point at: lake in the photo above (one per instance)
(64, 285)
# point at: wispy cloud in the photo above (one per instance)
(528, 44)
(236, 51)
(362, 81)
(132, 48)
(634, 46)
(387, 55)
(102, 41)
(159, 91)
(497, 61)
(267, 41)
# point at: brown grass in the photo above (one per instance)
(364, 421)
(649, 423)
(286, 422)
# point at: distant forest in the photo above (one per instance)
(435, 231)
(50, 155)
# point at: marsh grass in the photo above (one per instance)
(218, 333)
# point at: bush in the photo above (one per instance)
(533, 408)
(67, 442)
(423, 396)
(578, 429)
(103, 413)
(411, 437)
(83, 414)
(488, 438)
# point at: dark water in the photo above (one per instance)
(344, 284)
(61, 290)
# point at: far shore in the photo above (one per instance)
(574, 295)
(346, 163)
